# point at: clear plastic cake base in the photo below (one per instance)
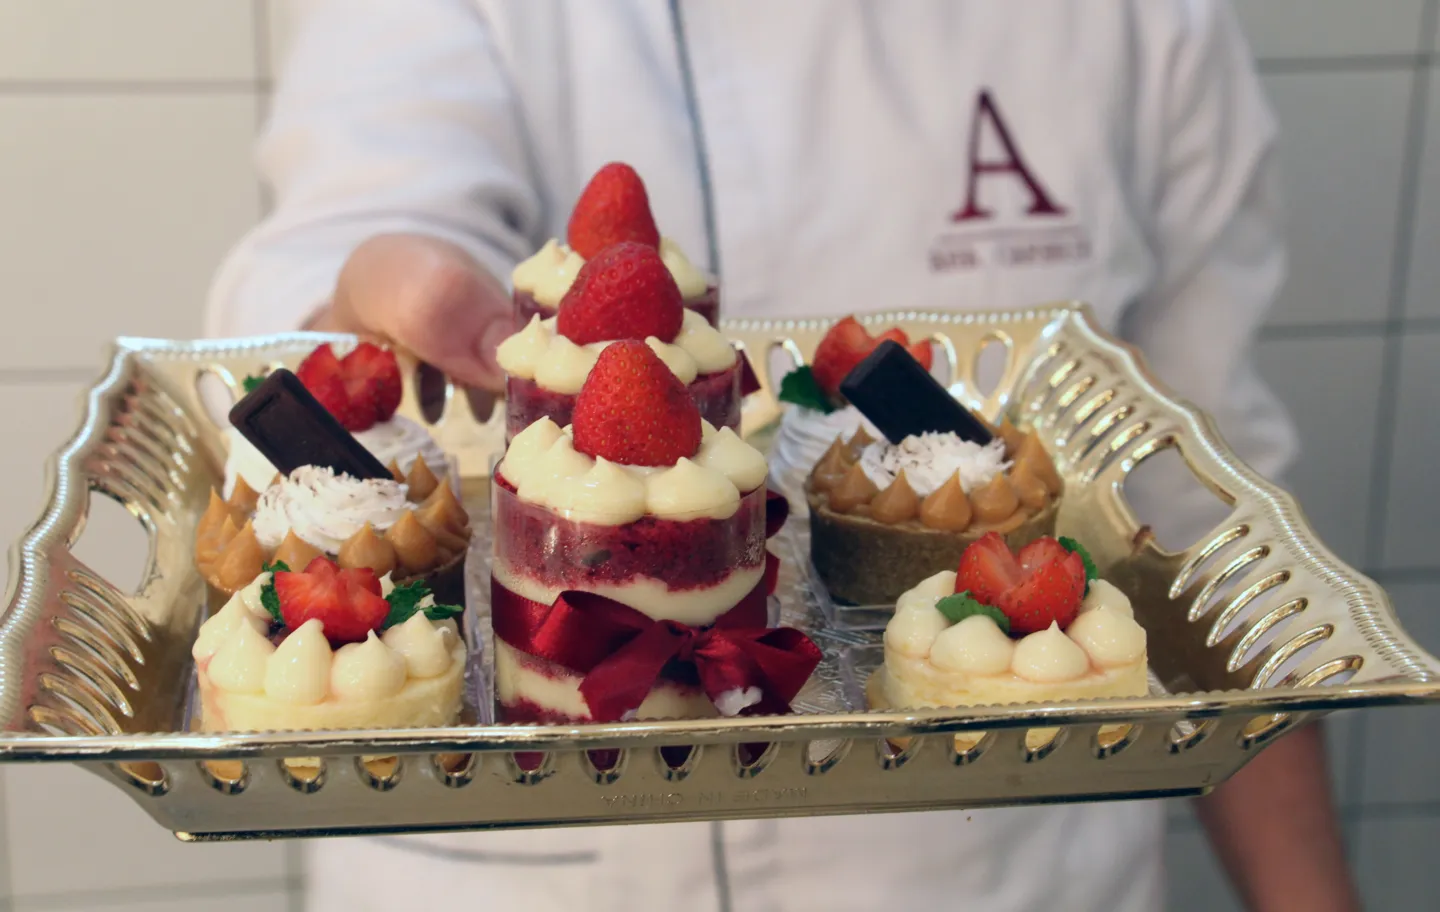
(1253, 629)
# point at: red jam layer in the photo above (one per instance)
(565, 554)
(717, 396)
(706, 305)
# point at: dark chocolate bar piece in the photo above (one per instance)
(291, 428)
(901, 399)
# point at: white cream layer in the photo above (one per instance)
(304, 680)
(649, 596)
(931, 662)
(548, 274)
(558, 691)
(545, 468)
(324, 509)
(930, 460)
(540, 353)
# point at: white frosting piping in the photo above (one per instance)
(548, 274)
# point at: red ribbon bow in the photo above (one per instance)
(622, 652)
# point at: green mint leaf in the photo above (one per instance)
(404, 602)
(278, 566)
(1074, 547)
(962, 605)
(250, 382)
(443, 612)
(268, 597)
(799, 388)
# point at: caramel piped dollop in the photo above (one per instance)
(946, 508)
(295, 552)
(996, 502)
(244, 498)
(1033, 458)
(226, 533)
(1012, 436)
(1028, 488)
(395, 472)
(415, 548)
(445, 519)
(213, 518)
(897, 503)
(240, 561)
(421, 480)
(859, 441)
(854, 490)
(366, 549)
(831, 467)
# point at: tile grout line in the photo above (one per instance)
(1416, 127)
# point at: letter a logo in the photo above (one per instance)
(1011, 163)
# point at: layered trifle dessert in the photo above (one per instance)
(624, 292)
(325, 647)
(613, 207)
(1035, 625)
(638, 528)
(361, 390)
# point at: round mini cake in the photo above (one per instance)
(614, 207)
(1011, 628)
(623, 293)
(329, 648)
(884, 516)
(643, 527)
(362, 390)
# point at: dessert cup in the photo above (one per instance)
(706, 304)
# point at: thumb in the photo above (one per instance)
(431, 297)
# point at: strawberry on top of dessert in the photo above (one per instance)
(329, 647)
(362, 390)
(613, 208)
(623, 293)
(1011, 627)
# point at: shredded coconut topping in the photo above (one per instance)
(929, 460)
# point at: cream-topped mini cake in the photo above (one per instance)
(362, 390)
(624, 292)
(613, 207)
(329, 648)
(1011, 628)
(641, 510)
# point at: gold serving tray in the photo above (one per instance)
(1251, 630)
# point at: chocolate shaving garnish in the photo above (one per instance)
(291, 428)
(902, 400)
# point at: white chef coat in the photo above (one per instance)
(825, 156)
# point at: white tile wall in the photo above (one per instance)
(1411, 517)
(1341, 146)
(137, 40)
(1319, 379)
(1279, 29)
(125, 172)
(117, 209)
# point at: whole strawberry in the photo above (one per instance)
(632, 410)
(847, 344)
(624, 292)
(347, 602)
(613, 207)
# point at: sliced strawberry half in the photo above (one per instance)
(347, 602)
(613, 207)
(633, 410)
(360, 390)
(848, 343)
(1042, 585)
(624, 292)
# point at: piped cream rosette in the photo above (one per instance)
(548, 274)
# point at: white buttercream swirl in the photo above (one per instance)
(540, 353)
(548, 274)
(930, 460)
(324, 509)
(545, 468)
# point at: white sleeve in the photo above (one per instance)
(1218, 235)
(388, 116)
